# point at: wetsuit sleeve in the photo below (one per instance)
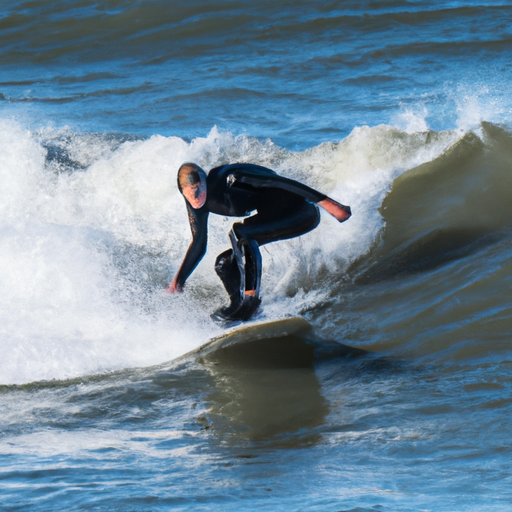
(199, 226)
(274, 181)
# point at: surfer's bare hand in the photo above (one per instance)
(337, 210)
(174, 287)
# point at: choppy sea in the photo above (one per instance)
(401, 109)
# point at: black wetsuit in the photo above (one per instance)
(284, 209)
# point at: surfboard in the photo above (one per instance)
(287, 342)
(253, 332)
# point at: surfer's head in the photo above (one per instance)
(192, 184)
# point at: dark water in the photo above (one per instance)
(297, 72)
(399, 108)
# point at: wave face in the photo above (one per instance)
(438, 272)
(93, 228)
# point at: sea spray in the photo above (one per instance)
(94, 228)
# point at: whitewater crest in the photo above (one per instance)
(93, 227)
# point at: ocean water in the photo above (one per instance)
(401, 109)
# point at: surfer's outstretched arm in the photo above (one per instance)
(196, 251)
(255, 179)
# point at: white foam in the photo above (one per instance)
(479, 102)
(412, 120)
(85, 255)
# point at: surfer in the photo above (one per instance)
(285, 209)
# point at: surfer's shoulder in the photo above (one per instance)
(242, 168)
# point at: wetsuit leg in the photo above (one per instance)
(248, 257)
(227, 269)
(259, 230)
(267, 227)
(231, 267)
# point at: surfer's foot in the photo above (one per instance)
(225, 314)
(234, 312)
(249, 307)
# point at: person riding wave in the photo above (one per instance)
(285, 209)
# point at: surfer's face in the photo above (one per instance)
(195, 194)
(192, 185)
